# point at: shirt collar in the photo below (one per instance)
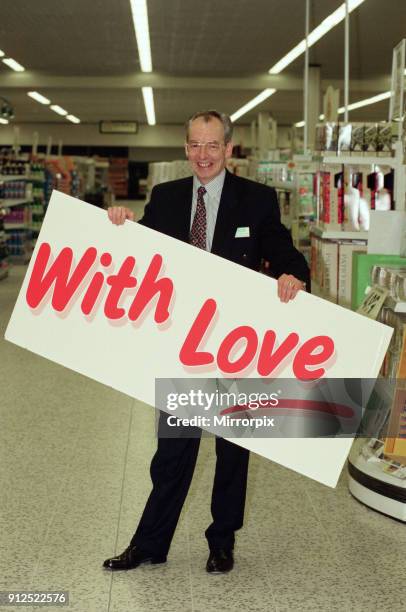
(214, 187)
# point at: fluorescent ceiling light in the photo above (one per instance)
(59, 110)
(13, 64)
(366, 102)
(4, 121)
(140, 18)
(354, 105)
(37, 96)
(2, 54)
(73, 118)
(148, 96)
(330, 22)
(252, 104)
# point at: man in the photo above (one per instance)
(239, 220)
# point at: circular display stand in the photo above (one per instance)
(375, 488)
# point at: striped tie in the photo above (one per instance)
(198, 231)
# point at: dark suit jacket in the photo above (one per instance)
(243, 203)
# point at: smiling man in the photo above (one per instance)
(239, 220)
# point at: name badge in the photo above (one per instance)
(242, 232)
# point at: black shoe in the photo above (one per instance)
(220, 561)
(132, 557)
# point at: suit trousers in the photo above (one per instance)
(172, 470)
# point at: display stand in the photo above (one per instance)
(369, 484)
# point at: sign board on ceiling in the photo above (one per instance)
(118, 127)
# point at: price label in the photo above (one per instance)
(373, 302)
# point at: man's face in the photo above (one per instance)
(205, 149)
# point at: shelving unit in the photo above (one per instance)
(338, 234)
(10, 244)
(396, 162)
(13, 177)
(9, 202)
(360, 160)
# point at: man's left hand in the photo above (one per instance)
(288, 286)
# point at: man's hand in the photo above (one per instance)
(288, 286)
(118, 214)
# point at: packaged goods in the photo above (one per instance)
(356, 210)
(332, 197)
(345, 253)
(362, 264)
(344, 137)
(331, 137)
(357, 137)
(370, 137)
(329, 270)
(384, 138)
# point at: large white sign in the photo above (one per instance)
(126, 305)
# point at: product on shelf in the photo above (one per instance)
(345, 255)
(367, 139)
(13, 190)
(332, 197)
(362, 265)
(357, 138)
(356, 209)
(344, 138)
(13, 167)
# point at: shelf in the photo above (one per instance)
(13, 226)
(338, 234)
(9, 202)
(359, 159)
(283, 186)
(19, 259)
(395, 305)
(5, 178)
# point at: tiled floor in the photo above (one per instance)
(74, 460)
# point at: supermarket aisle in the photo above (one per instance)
(74, 459)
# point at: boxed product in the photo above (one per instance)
(329, 270)
(362, 264)
(305, 198)
(344, 137)
(357, 138)
(331, 137)
(384, 138)
(356, 209)
(314, 258)
(332, 197)
(345, 253)
(370, 137)
(320, 137)
(380, 198)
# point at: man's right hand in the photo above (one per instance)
(119, 214)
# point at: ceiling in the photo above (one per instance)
(83, 55)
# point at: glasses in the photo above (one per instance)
(212, 147)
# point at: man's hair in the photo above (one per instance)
(207, 116)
